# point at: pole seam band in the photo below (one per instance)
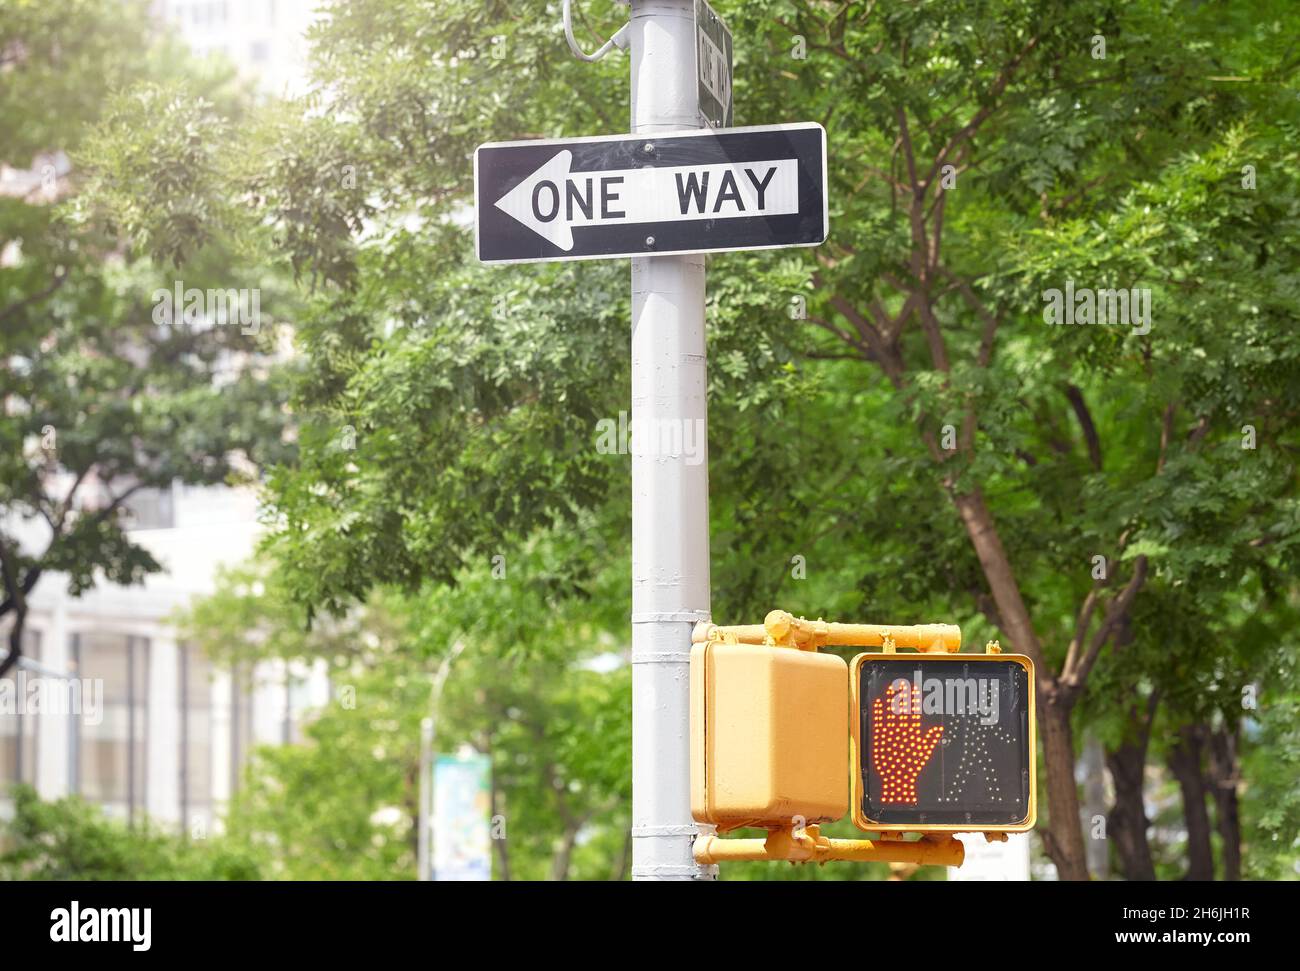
(668, 616)
(662, 657)
(669, 870)
(640, 831)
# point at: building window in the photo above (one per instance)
(300, 705)
(110, 756)
(18, 729)
(146, 508)
(149, 509)
(241, 723)
(196, 738)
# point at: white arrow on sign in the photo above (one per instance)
(553, 200)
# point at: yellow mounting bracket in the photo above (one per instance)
(807, 845)
(715, 635)
(781, 629)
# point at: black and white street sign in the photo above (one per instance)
(649, 195)
(713, 66)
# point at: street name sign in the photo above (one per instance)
(943, 742)
(651, 195)
(713, 67)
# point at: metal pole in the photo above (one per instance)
(428, 735)
(670, 515)
(426, 797)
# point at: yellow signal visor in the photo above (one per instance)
(943, 743)
(769, 736)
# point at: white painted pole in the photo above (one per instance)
(423, 843)
(670, 511)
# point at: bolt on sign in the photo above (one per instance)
(650, 195)
(943, 743)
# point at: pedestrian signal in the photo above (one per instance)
(943, 742)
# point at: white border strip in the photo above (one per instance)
(686, 133)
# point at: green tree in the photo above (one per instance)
(921, 436)
(70, 839)
(103, 397)
(1271, 802)
(520, 684)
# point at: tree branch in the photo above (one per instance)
(61, 277)
(1114, 614)
(1089, 429)
(9, 569)
(982, 115)
(1166, 433)
(1081, 623)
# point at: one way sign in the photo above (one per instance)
(647, 195)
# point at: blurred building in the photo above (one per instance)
(265, 39)
(175, 732)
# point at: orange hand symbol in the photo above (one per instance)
(899, 749)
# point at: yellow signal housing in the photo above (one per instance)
(769, 736)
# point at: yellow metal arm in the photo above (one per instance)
(783, 629)
(762, 771)
(809, 846)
